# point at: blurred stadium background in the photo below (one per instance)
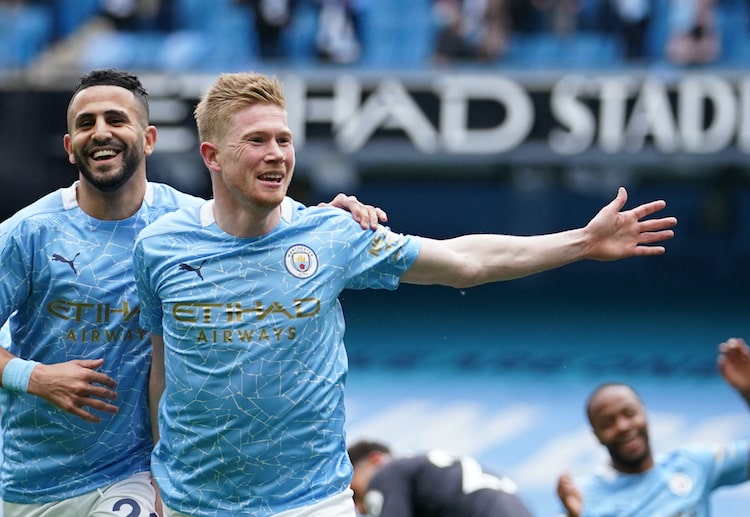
(532, 139)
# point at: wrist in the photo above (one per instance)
(17, 373)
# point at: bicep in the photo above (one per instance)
(439, 263)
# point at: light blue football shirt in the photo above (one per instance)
(679, 484)
(252, 416)
(69, 277)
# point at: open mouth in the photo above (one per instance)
(103, 154)
(272, 177)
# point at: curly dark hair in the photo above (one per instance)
(112, 77)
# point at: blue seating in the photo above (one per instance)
(24, 33)
(71, 14)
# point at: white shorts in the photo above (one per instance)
(341, 505)
(130, 497)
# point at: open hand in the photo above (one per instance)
(614, 234)
(73, 385)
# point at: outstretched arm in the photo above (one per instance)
(366, 215)
(478, 259)
(569, 494)
(734, 364)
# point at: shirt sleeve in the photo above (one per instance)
(150, 305)
(380, 258)
(730, 463)
(15, 277)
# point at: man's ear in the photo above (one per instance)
(69, 149)
(376, 457)
(210, 153)
(150, 135)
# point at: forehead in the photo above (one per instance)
(99, 99)
(613, 399)
(259, 117)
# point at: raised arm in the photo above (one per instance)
(569, 494)
(478, 259)
(734, 365)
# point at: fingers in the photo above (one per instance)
(647, 209)
(372, 218)
(75, 385)
(368, 216)
(620, 199)
(95, 377)
(99, 405)
(733, 344)
(651, 237)
(652, 225)
(85, 415)
(733, 350)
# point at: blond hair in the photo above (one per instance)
(229, 94)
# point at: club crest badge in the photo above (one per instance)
(680, 484)
(301, 261)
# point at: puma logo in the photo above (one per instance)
(60, 258)
(196, 270)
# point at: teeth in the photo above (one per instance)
(104, 153)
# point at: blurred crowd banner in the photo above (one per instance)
(488, 115)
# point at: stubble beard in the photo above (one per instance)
(633, 463)
(107, 180)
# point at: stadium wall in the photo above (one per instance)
(499, 372)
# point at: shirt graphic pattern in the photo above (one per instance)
(252, 417)
(69, 279)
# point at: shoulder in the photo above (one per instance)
(706, 452)
(37, 212)
(168, 198)
(179, 220)
(322, 217)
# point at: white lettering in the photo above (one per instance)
(455, 94)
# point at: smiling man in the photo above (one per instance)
(636, 483)
(75, 421)
(249, 361)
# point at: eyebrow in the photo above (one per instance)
(107, 113)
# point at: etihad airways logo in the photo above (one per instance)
(91, 312)
(235, 312)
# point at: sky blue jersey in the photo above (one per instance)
(252, 416)
(69, 279)
(679, 484)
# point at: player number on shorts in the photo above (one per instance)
(135, 508)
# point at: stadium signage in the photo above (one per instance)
(492, 114)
